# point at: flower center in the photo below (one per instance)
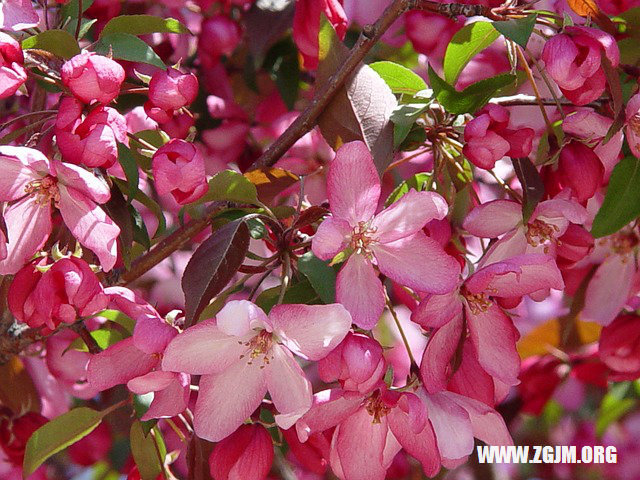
(376, 407)
(539, 232)
(623, 243)
(478, 302)
(361, 238)
(260, 345)
(634, 123)
(44, 191)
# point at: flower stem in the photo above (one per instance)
(402, 334)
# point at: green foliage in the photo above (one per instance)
(58, 42)
(399, 78)
(146, 452)
(419, 182)
(231, 186)
(466, 44)
(618, 401)
(519, 30)
(125, 46)
(321, 276)
(142, 25)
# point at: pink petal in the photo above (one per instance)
(435, 367)
(16, 173)
(353, 185)
(170, 401)
(330, 407)
(77, 178)
(29, 226)
(437, 310)
(471, 380)
(609, 289)
(494, 338)
(289, 388)
(331, 237)
(240, 317)
(418, 262)
(359, 289)
(492, 219)
(118, 364)
(227, 399)
(487, 424)
(451, 425)
(90, 225)
(151, 382)
(203, 349)
(408, 215)
(311, 331)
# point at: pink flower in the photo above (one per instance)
(18, 15)
(219, 36)
(15, 431)
(579, 169)
(470, 317)
(619, 346)
(306, 26)
(12, 74)
(33, 184)
(573, 60)
(66, 291)
(243, 354)
(169, 91)
(393, 239)
(91, 77)
(633, 124)
(92, 141)
(430, 33)
(548, 222)
(488, 139)
(246, 454)
(136, 360)
(178, 169)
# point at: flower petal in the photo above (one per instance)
(330, 407)
(311, 331)
(609, 289)
(487, 424)
(418, 262)
(360, 290)
(85, 182)
(239, 317)
(16, 173)
(436, 310)
(494, 218)
(169, 401)
(451, 425)
(330, 238)
(435, 365)
(228, 399)
(151, 382)
(353, 185)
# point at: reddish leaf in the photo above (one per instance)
(309, 216)
(270, 182)
(213, 265)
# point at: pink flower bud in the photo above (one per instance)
(430, 33)
(169, 91)
(573, 60)
(219, 36)
(620, 344)
(67, 290)
(313, 454)
(92, 141)
(12, 74)
(573, 246)
(247, 454)
(91, 77)
(580, 169)
(357, 363)
(306, 26)
(488, 139)
(178, 169)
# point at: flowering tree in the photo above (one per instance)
(317, 238)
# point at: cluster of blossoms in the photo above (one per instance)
(372, 301)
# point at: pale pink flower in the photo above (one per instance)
(392, 240)
(33, 183)
(18, 15)
(242, 354)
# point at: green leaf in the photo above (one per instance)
(152, 205)
(614, 404)
(70, 9)
(283, 65)
(470, 99)
(399, 78)
(145, 453)
(142, 25)
(125, 46)
(57, 434)
(466, 44)
(232, 186)
(321, 276)
(519, 30)
(621, 204)
(130, 167)
(120, 318)
(418, 182)
(103, 337)
(532, 185)
(58, 42)
(301, 292)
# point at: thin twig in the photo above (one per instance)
(79, 24)
(402, 334)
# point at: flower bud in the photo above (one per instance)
(178, 169)
(313, 454)
(92, 141)
(219, 36)
(247, 454)
(12, 74)
(68, 289)
(91, 77)
(15, 432)
(580, 169)
(169, 91)
(620, 344)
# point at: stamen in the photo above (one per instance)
(361, 238)
(376, 407)
(44, 191)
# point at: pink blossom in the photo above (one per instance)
(619, 346)
(573, 60)
(430, 33)
(12, 73)
(306, 26)
(219, 36)
(67, 290)
(91, 77)
(242, 354)
(245, 454)
(92, 140)
(178, 169)
(169, 91)
(15, 430)
(633, 124)
(18, 15)
(393, 238)
(487, 138)
(33, 184)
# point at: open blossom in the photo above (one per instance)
(392, 240)
(178, 169)
(12, 73)
(169, 91)
(246, 454)
(36, 185)
(67, 290)
(633, 124)
(245, 352)
(92, 77)
(92, 140)
(573, 59)
(487, 138)
(18, 15)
